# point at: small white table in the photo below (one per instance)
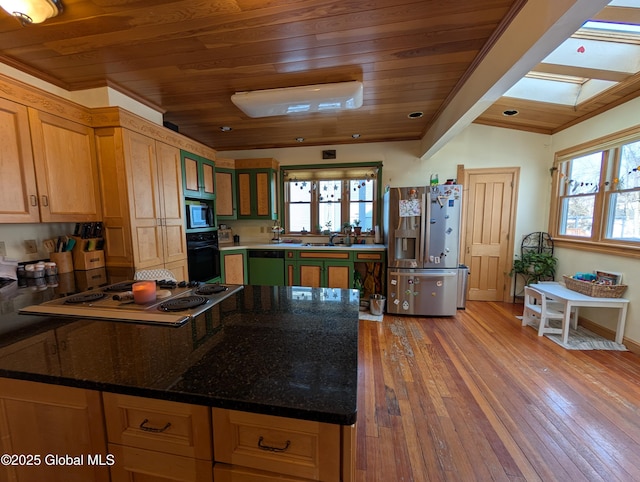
(573, 299)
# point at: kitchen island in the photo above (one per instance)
(275, 363)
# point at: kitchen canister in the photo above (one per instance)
(63, 261)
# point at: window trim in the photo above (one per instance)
(598, 243)
(285, 172)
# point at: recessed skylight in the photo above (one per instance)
(596, 58)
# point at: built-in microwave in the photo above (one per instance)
(199, 216)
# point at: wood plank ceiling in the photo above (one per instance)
(187, 57)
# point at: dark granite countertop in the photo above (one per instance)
(286, 351)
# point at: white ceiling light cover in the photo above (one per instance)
(308, 98)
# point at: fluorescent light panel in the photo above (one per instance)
(304, 99)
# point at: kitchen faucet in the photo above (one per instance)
(331, 238)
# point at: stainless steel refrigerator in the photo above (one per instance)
(421, 229)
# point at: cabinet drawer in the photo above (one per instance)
(160, 425)
(300, 448)
(139, 464)
(369, 256)
(337, 254)
(233, 473)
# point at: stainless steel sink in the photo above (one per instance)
(325, 245)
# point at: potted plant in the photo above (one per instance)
(356, 227)
(327, 228)
(346, 227)
(535, 267)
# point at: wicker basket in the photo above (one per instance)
(592, 289)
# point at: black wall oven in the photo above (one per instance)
(203, 256)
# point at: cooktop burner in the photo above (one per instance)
(182, 303)
(126, 286)
(210, 289)
(176, 303)
(84, 298)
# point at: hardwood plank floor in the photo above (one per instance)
(479, 397)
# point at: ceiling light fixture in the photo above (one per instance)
(32, 11)
(415, 115)
(304, 99)
(299, 139)
(509, 113)
(355, 136)
(226, 129)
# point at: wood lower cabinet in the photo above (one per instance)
(139, 465)
(48, 420)
(251, 447)
(234, 266)
(142, 201)
(322, 269)
(157, 440)
(295, 448)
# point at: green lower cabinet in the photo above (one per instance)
(320, 274)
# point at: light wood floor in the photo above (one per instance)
(479, 397)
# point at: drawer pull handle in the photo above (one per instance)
(273, 449)
(143, 426)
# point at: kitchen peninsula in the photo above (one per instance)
(262, 387)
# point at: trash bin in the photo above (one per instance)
(463, 280)
(376, 304)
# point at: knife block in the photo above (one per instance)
(63, 260)
(85, 256)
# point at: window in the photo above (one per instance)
(597, 202)
(322, 199)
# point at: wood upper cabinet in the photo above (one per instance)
(18, 191)
(66, 169)
(226, 194)
(42, 419)
(48, 168)
(199, 176)
(143, 203)
(256, 188)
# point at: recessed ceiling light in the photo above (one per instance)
(355, 136)
(415, 115)
(299, 139)
(226, 129)
(510, 113)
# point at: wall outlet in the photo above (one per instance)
(3, 249)
(30, 246)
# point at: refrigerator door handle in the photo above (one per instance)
(424, 230)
